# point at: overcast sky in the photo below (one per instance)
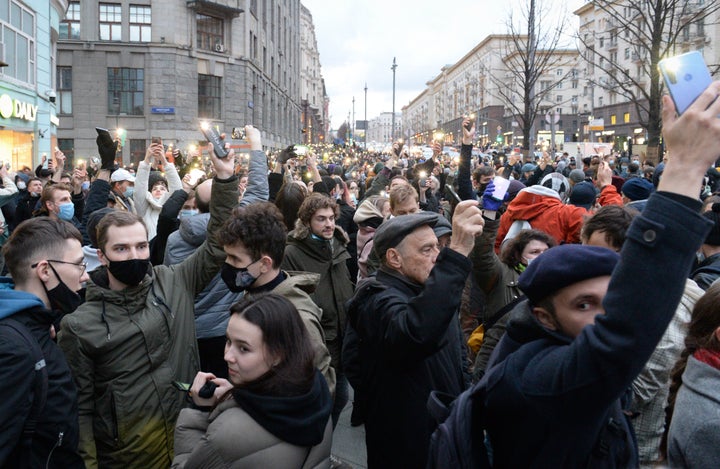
(357, 41)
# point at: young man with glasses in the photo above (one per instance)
(45, 261)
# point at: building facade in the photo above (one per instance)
(379, 129)
(159, 68)
(315, 123)
(28, 111)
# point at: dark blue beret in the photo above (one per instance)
(564, 265)
(637, 189)
(391, 232)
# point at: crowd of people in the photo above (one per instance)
(160, 318)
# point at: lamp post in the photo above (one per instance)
(353, 119)
(366, 122)
(392, 131)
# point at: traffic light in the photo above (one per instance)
(499, 139)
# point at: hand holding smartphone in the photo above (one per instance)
(686, 77)
(212, 136)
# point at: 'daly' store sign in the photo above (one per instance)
(14, 108)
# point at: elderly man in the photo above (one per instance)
(404, 338)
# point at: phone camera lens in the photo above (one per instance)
(688, 77)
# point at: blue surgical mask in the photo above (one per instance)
(188, 213)
(67, 211)
(129, 192)
(86, 185)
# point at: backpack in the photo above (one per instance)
(459, 440)
(41, 382)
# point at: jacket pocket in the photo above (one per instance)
(114, 420)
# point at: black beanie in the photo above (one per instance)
(713, 238)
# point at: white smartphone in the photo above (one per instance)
(686, 77)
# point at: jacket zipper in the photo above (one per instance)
(113, 411)
(57, 444)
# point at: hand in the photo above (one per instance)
(253, 136)
(396, 148)
(79, 175)
(224, 167)
(59, 159)
(187, 187)
(200, 380)
(467, 223)
(467, 135)
(437, 148)
(311, 161)
(604, 175)
(287, 154)
(692, 140)
(490, 202)
(513, 159)
(107, 149)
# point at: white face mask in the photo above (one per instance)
(21, 185)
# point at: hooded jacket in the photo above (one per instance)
(554, 401)
(252, 430)
(707, 272)
(368, 217)
(126, 347)
(55, 442)
(145, 204)
(327, 258)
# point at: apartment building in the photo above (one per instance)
(314, 101)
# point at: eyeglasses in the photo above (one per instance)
(81, 265)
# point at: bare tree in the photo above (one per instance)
(532, 51)
(652, 30)
(343, 132)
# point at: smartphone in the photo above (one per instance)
(155, 140)
(455, 195)
(686, 77)
(195, 176)
(301, 150)
(45, 163)
(212, 136)
(181, 386)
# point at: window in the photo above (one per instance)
(700, 27)
(125, 91)
(626, 117)
(67, 146)
(209, 88)
(627, 52)
(559, 98)
(559, 72)
(140, 20)
(110, 22)
(209, 32)
(613, 119)
(602, 41)
(137, 151)
(70, 26)
(18, 35)
(64, 90)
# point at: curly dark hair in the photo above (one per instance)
(259, 228)
(512, 253)
(313, 203)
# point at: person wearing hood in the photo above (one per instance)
(273, 411)
(45, 261)
(212, 304)
(318, 245)
(558, 379)
(369, 215)
(150, 199)
(135, 334)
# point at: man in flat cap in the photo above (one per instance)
(555, 383)
(404, 338)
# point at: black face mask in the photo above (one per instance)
(61, 298)
(130, 272)
(237, 280)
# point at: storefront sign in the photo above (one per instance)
(10, 107)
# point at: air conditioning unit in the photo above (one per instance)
(219, 48)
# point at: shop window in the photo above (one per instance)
(110, 22)
(70, 26)
(67, 146)
(17, 25)
(126, 91)
(64, 90)
(140, 20)
(137, 151)
(210, 33)
(209, 96)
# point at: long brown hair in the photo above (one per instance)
(701, 335)
(285, 337)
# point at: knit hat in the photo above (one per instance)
(556, 182)
(637, 189)
(713, 238)
(513, 189)
(565, 265)
(378, 167)
(577, 175)
(583, 195)
(528, 168)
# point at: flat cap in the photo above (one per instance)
(442, 225)
(393, 231)
(527, 167)
(565, 265)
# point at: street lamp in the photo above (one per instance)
(392, 131)
(366, 122)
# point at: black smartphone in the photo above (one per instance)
(686, 77)
(212, 136)
(103, 133)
